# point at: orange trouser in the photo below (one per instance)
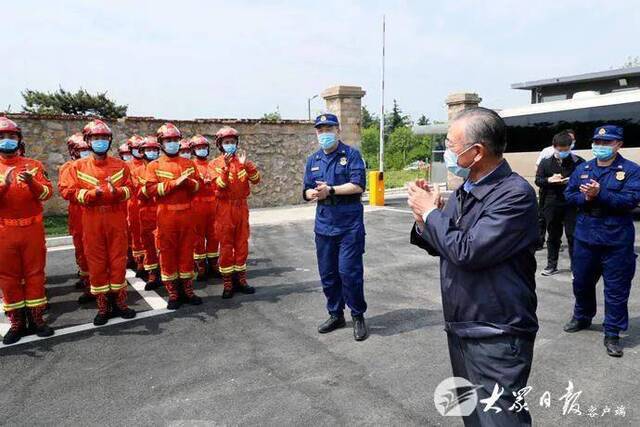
(105, 245)
(232, 228)
(176, 235)
(135, 233)
(23, 253)
(75, 229)
(148, 225)
(206, 245)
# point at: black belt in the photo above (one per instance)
(341, 200)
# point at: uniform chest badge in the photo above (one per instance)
(620, 175)
(585, 176)
(343, 161)
(315, 168)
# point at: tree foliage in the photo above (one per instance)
(80, 103)
(632, 61)
(368, 119)
(274, 116)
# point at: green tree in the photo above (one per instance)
(80, 103)
(371, 146)
(632, 61)
(423, 121)
(368, 119)
(395, 119)
(275, 116)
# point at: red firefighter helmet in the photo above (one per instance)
(96, 127)
(8, 125)
(150, 142)
(82, 145)
(168, 130)
(124, 149)
(199, 141)
(185, 144)
(225, 132)
(135, 141)
(74, 139)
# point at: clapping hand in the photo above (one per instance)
(242, 156)
(322, 190)
(422, 197)
(590, 190)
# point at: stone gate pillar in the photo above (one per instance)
(457, 102)
(346, 103)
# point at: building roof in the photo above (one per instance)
(600, 75)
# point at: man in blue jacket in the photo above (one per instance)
(334, 177)
(485, 237)
(605, 190)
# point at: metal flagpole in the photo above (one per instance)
(382, 102)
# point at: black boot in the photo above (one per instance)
(40, 326)
(189, 296)
(212, 268)
(17, 329)
(613, 346)
(331, 324)
(103, 310)
(575, 325)
(153, 281)
(360, 331)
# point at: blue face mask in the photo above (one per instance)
(172, 147)
(85, 154)
(100, 146)
(151, 155)
(230, 148)
(564, 154)
(8, 145)
(186, 155)
(202, 152)
(135, 152)
(451, 162)
(127, 158)
(327, 140)
(602, 152)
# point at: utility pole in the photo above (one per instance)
(309, 105)
(382, 100)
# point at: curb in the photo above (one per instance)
(53, 242)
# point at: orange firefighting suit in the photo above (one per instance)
(232, 219)
(148, 219)
(22, 247)
(133, 213)
(176, 231)
(204, 210)
(74, 219)
(104, 219)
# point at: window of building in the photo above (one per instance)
(550, 98)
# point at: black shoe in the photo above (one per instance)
(152, 286)
(194, 300)
(246, 289)
(12, 337)
(174, 304)
(44, 331)
(331, 324)
(227, 293)
(79, 284)
(360, 331)
(86, 299)
(100, 319)
(127, 313)
(575, 325)
(140, 274)
(613, 346)
(550, 271)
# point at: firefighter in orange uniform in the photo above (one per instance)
(204, 208)
(185, 148)
(174, 181)
(78, 148)
(101, 184)
(150, 150)
(23, 187)
(133, 213)
(232, 173)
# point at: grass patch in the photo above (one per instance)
(56, 225)
(397, 179)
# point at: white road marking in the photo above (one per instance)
(407, 211)
(61, 248)
(156, 302)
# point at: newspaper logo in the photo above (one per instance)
(456, 397)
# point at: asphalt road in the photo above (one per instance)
(258, 359)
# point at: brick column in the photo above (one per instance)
(346, 103)
(457, 102)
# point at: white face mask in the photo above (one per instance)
(186, 155)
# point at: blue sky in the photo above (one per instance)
(197, 59)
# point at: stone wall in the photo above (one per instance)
(278, 148)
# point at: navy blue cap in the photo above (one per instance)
(326, 119)
(608, 133)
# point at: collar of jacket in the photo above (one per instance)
(617, 163)
(341, 149)
(486, 184)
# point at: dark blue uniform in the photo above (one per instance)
(339, 228)
(603, 239)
